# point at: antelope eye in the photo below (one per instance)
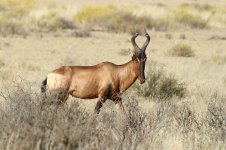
(142, 55)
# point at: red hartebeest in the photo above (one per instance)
(104, 81)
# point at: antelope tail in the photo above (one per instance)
(43, 86)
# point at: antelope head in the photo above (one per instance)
(139, 55)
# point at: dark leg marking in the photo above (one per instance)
(107, 92)
(98, 106)
(103, 98)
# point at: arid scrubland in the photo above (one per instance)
(182, 105)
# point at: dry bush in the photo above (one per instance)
(181, 50)
(217, 37)
(182, 36)
(191, 15)
(125, 52)
(216, 114)
(30, 66)
(91, 13)
(217, 59)
(160, 86)
(2, 64)
(5, 74)
(12, 16)
(209, 132)
(52, 22)
(81, 33)
(28, 122)
(24, 16)
(186, 119)
(112, 18)
(15, 18)
(169, 36)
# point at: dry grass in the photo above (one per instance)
(12, 15)
(52, 22)
(81, 33)
(181, 50)
(25, 66)
(112, 18)
(30, 123)
(191, 15)
(23, 17)
(5, 74)
(160, 86)
(217, 59)
(2, 64)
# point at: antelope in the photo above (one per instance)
(104, 81)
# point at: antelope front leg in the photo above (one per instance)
(99, 104)
(119, 105)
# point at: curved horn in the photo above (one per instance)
(134, 42)
(147, 41)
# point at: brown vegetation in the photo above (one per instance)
(160, 86)
(22, 17)
(27, 122)
(181, 50)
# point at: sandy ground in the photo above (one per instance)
(32, 57)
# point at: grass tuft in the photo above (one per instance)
(181, 50)
(2, 64)
(217, 59)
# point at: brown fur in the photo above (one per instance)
(104, 81)
(88, 82)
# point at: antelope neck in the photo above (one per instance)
(128, 73)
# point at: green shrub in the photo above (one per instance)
(181, 50)
(160, 86)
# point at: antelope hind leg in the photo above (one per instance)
(62, 97)
(58, 96)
